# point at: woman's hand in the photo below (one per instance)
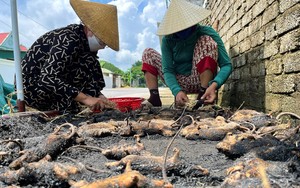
(108, 103)
(94, 103)
(210, 94)
(181, 98)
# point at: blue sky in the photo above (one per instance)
(137, 24)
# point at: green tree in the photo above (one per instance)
(111, 67)
(135, 75)
(126, 78)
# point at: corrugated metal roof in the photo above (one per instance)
(104, 70)
(3, 37)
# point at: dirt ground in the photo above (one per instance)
(32, 134)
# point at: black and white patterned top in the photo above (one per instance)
(57, 67)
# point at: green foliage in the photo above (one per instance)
(136, 70)
(135, 75)
(126, 78)
(111, 67)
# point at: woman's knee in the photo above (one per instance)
(151, 61)
(205, 47)
(148, 51)
(206, 40)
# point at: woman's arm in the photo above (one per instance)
(168, 67)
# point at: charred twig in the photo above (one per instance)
(253, 127)
(84, 112)
(25, 114)
(270, 131)
(236, 110)
(164, 172)
(14, 141)
(287, 113)
(72, 127)
(58, 117)
(240, 106)
(193, 121)
(192, 118)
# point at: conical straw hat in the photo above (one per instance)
(180, 15)
(101, 19)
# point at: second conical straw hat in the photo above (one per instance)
(181, 15)
(101, 19)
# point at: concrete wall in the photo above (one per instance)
(7, 70)
(111, 80)
(117, 81)
(108, 80)
(262, 38)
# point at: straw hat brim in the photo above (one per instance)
(180, 15)
(101, 19)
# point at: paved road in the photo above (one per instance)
(126, 92)
(165, 93)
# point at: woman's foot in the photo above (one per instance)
(154, 98)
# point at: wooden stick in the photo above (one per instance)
(30, 113)
(164, 173)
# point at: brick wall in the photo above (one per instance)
(263, 40)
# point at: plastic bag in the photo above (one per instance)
(8, 98)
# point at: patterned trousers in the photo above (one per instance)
(205, 57)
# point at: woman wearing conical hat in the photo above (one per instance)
(61, 69)
(191, 55)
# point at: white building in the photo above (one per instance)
(111, 80)
(7, 70)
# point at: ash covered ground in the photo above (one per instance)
(215, 148)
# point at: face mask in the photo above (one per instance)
(185, 33)
(94, 44)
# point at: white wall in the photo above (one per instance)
(7, 70)
(108, 78)
(118, 81)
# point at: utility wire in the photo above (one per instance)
(45, 27)
(6, 24)
(25, 37)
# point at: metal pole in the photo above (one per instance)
(17, 56)
(167, 3)
(130, 78)
(204, 4)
